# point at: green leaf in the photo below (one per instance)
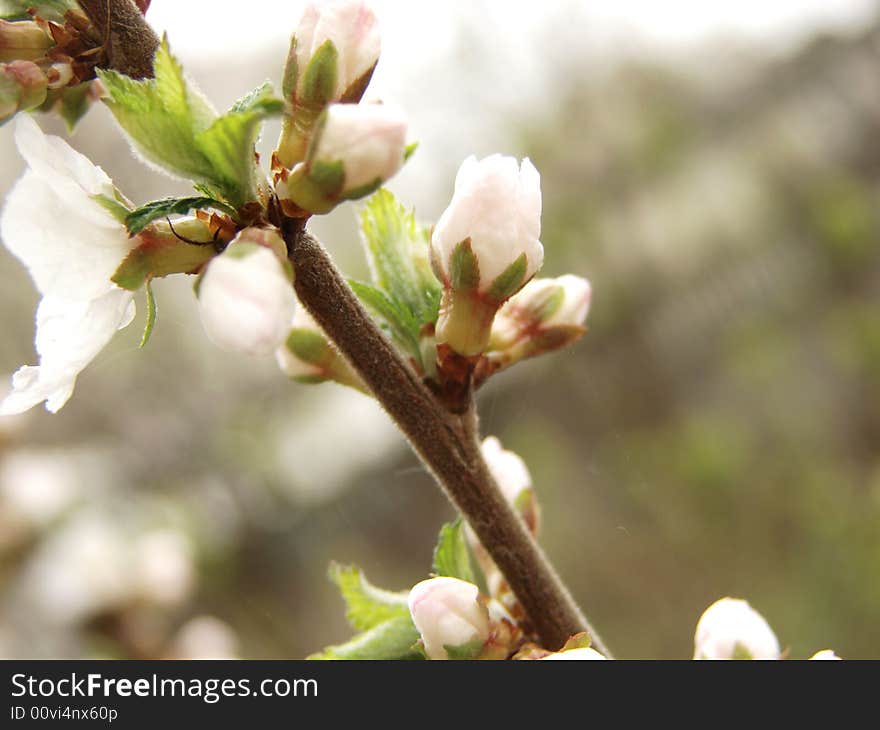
(48, 9)
(159, 256)
(398, 321)
(140, 218)
(228, 144)
(451, 556)
(174, 126)
(398, 253)
(151, 315)
(509, 281)
(393, 639)
(74, 103)
(367, 605)
(464, 269)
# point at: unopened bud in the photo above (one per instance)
(546, 315)
(308, 357)
(485, 247)
(246, 297)
(512, 476)
(356, 148)
(450, 618)
(23, 41)
(332, 57)
(731, 629)
(23, 86)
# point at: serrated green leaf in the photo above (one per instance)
(367, 605)
(229, 144)
(48, 9)
(140, 218)
(398, 321)
(398, 254)
(174, 126)
(509, 281)
(451, 556)
(151, 315)
(464, 269)
(390, 640)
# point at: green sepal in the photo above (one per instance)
(551, 304)
(451, 555)
(397, 320)
(114, 206)
(366, 605)
(159, 256)
(291, 72)
(468, 651)
(509, 281)
(73, 103)
(318, 87)
(140, 218)
(317, 189)
(410, 150)
(151, 315)
(741, 652)
(577, 641)
(394, 639)
(308, 345)
(362, 191)
(464, 269)
(357, 88)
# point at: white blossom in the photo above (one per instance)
(826, 655)
(508, 469)
(447, 613)
(497, 205)
(731, 629)
(71, 245)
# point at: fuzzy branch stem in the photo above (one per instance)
(447, 444)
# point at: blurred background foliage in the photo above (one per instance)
(715, 433)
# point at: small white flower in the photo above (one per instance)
(731, 629)
(246, 297)
(574, 655)
(497, 205)
(826, 655)
(447, 613)
(352, 28)
(71, 246)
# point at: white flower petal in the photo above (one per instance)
(69, 336)
(66, 254)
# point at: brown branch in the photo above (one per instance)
(445, 442)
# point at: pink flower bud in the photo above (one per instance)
(246, 297)
(732, 629)
(23, 86)
(448, 615)
(23, 41)
(351, 26)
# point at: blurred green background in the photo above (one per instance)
(715, 433)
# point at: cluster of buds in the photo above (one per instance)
(332, 148)
(731, 629)
(456, 622)
(46, 65)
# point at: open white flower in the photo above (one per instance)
(731, 629)
(71, 245)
